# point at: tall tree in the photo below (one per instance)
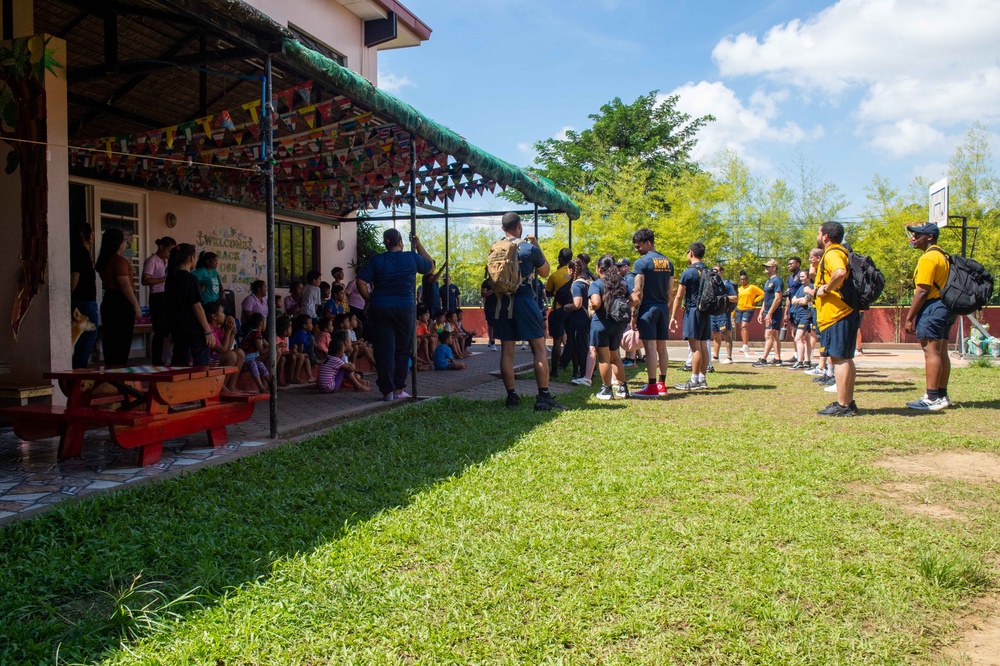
(974, 191)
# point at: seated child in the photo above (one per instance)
(451, 326)
(302, 341)
(439, 320)
(425, 339)
(224, 350)
(334, 370)
(443, 355)
(321, 337)
(354, 377)
(324, 296)
(465, 336)
(254, 346)
(337, 304)
(290, 361)
(342, 322)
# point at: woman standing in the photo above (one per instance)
(154, 274)
(609, 297)
(390, 325)
(208, 278)
(577, 321)
(83, 287)
(192, 334)
(119, 308)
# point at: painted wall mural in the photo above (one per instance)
(242, 259)
(23, 63)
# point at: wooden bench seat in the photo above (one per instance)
(23, 392)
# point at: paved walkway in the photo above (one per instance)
(32, 479)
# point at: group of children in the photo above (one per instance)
(441, 340)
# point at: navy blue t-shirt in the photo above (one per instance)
(793, 284)
(580, 288)
(393, 275)
(800, 292)
(691, 279)
(730, 289)
(597, 289)
(656, 271)
(630, 281)
(430, 296)
(772, 289)
(450, 299)
(531, 257)
(490, 304)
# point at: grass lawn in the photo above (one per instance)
(728, 526)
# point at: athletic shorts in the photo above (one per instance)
(527, 323)
(934, 321)
(774, 324)
(838, 340)
(743, 316)
(721, 323)
(802, 320)
(696, 325)
(557, 323)
(654, 321)
(607, 333)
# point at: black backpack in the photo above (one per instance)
(969, 287)
(713, 297)
(864, 283)
(620, 310)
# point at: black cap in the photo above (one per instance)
(929, 228)
(623, 262)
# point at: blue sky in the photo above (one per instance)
(856, 87)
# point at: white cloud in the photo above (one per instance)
(561, 134)
(907, 137)
(393, 83)
(973, 96)
(737, 124)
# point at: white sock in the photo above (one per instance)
(829, 371)
(701, 377)
(694, 376)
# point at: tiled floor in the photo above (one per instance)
(32, 479)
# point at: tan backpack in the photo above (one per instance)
(504, 266)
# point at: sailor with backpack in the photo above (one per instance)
(946, 286)
(704, 294)
(511, 264)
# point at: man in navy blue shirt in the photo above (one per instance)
(791, 286)
(391, 325)
(771, 315)
(519, 318)
(697, 326)
(450, 295)
(722, 325)
(651, 310)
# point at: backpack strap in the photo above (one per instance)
(948, 259)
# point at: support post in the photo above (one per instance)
(569, 239)
(447, 249)
(8, 19)
(202, 80)
(413, 232)
(111, 42)
(536, 221)
(267, 125)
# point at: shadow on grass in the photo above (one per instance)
(746, 387)
(893, 389)
(65, 574)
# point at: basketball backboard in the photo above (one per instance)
(938, 210)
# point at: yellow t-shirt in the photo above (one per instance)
(932, 269)
(748, 297)
(830, 307)
(558, 287)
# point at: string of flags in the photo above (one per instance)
(329, 157)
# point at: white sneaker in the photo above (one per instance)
(926, 405)
(726, 361)
(492, 347)
(524, 347)
(832, 388)
(581, 381)
(815, 372)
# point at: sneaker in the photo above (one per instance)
(745, 350)
(513, 401)
(795, 366)
(853, 407)
(524, 347)
(836, 409)
(389, 397)
(492, 348)
(820, 379)
(648, 391)
(687, 367)
(402, 395)
(605, 393)
(946, 402)
(815, 371)
(926, 405)
(628, 363)
(548, 404)
(710, 368)
(581, 381)
(621, 392)
(759, 363)
(715, 359)
(827, 381)
(795, 359)
(690, 385)
(726, 361)
(661, 389)
(830, 388)
(700, 385)
(776, 363)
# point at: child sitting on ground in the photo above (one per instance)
(321, 337)
(451, 326)
(254, 347)
(302, 341)
(358, 341)
(342, 322)
(426, 340)
(324, 298)
(337, 303)
(463, 335)
(443, 355)
(439, 321)
(334, 371)
(354, 377)
(224, 350)
(288, 360)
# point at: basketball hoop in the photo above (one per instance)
(937, 211)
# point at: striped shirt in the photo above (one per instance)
(331, 374)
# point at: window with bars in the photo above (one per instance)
(295, 251)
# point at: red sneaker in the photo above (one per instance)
(661, 389)
(650, 391)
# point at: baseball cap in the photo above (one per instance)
(623, 262)
(928, 228)
(773, 263)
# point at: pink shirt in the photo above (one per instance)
(253, 304)
(156, 268)
(354, 298)
(323, 341)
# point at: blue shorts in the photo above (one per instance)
(696, 325)
(934, 321)
(813, 317)
(527, 323)
(721, 323)
(654, 321)
(801, 320)
(774, 324)
(744, 316)
(557, 323)
(606, 333)
(838, 340)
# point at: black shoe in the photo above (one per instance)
(837, 409)
(687, 367)
(820, 379)
(547, 404)
(828, 381)
(759, 363)
(513, 401)
(710, 368)
(853, 407)
(776, 363)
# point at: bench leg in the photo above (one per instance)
(150, 453)
(218, 437)
(71, 441)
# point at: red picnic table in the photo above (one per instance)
(142, 406)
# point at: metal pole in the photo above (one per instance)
(268, 159)
(447, 269)
(569, 240)
(413, 232)
(536, 221)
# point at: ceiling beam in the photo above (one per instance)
(232, 31)
(86, 102)
(132, 67)
(105, 6)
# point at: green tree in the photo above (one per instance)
(816, 201)
(974, 191)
